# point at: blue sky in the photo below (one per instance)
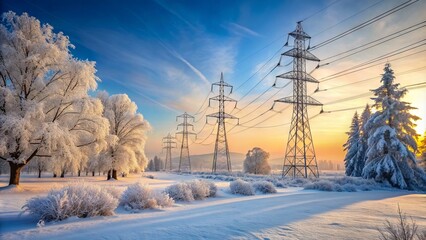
(165, 54)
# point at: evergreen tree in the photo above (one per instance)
(352, 146)
(422, 151)
(363, 142)
(391, 142)
(158, 164)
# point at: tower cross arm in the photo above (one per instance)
(185, 115)
(225, 115)
(293, 100)
(182, 132)
(301, 54)
(225, 99)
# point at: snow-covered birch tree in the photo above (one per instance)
(127, 135)
(256, 161)
(390, 155)
(352, 146)
(45, 109)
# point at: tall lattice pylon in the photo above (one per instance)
(300, 159)
(221, 157)
(185, 159)
(169, 142)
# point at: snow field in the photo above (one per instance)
(291, 213)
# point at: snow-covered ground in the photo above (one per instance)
(292, 213)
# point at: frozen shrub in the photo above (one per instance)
(298, 182)
(114, 191)
(349, 188)
(212, 189)
(402, 229)
(264, 187)
(80, 200)
(192, 190)
(139, 196)
(180, 192)
(241, 187)
(200, 189)
(322, 185)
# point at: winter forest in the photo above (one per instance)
(106, 133)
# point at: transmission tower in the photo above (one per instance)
(300, 159)
(169, 142)
(185, 160)
(221, 158)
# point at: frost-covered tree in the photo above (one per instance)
(422, 151)
(39, 164)
(45, 109)
(256, 161)
(352, 146)
(363, 142)
(151, 165)
(391, 143)
(127, 135)
(158, 164)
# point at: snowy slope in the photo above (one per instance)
(292, 213)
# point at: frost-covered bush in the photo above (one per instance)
(192, 190)
(139, 196)
(212, 188)
(241, 187)
(114, 191)
(180, 192)
(80, 200)
(264, 187)
(322, 185)
(202, 189)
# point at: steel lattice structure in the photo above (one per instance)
(169, 142)
(185, 160)
(300, 159)
(221, 158)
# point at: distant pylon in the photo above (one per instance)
(169, 143)
(185, 160)
(221, 158)
(300, 159)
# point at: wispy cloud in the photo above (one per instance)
(174, 13)
(241, 30)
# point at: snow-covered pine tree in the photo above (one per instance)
(391, 142)
(352, 146)
(363, 143)
(158, 164)
(422, 151)
(150, 167)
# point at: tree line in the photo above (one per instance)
(47, 114)
(382, 145)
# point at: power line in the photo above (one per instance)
(382, 57)
(321, 10)
(344, 20)
(408, 87)
(366, 23)
(204, 102)
(258, 70)
(364, 80)
(377, 40)
(265, 100)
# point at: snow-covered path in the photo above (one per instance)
(292, 213)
